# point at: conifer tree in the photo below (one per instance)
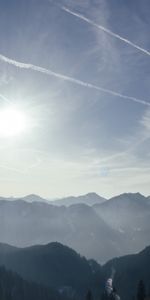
(141, 294)
(89, 295)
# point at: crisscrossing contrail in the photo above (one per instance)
(49, 72)
(108, 31)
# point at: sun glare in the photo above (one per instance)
(12, 122)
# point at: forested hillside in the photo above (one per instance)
(13, 287)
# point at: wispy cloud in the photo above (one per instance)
(70, 79)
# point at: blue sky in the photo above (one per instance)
(78, 139)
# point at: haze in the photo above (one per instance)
(84, 92)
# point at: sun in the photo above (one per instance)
(12, 122)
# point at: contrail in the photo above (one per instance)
(5, 99)
(27, 66)
(115, 35)
(12, 169)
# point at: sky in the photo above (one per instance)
(85, 94)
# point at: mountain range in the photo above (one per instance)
(78, 226)
(130, 215)
(61, 268)
(29, 198)
(105, 230)
(89, 199)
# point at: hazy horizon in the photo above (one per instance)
(49, 198)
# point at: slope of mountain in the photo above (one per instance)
(60, 267)
(77, 226)
(7, 198)
(13, 287)
(129, 270)
(34, 198)
(89, 199)
(130, 215)
(120, 209)
(29, 198)
(53, 265)
(115, 227)
(92, 235)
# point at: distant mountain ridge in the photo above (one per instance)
(29, 198)
(130, 214)
(34, 198)
(78, 226)
(104, 230)
(89, 199)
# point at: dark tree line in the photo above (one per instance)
(13, 287)
(140, 293)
